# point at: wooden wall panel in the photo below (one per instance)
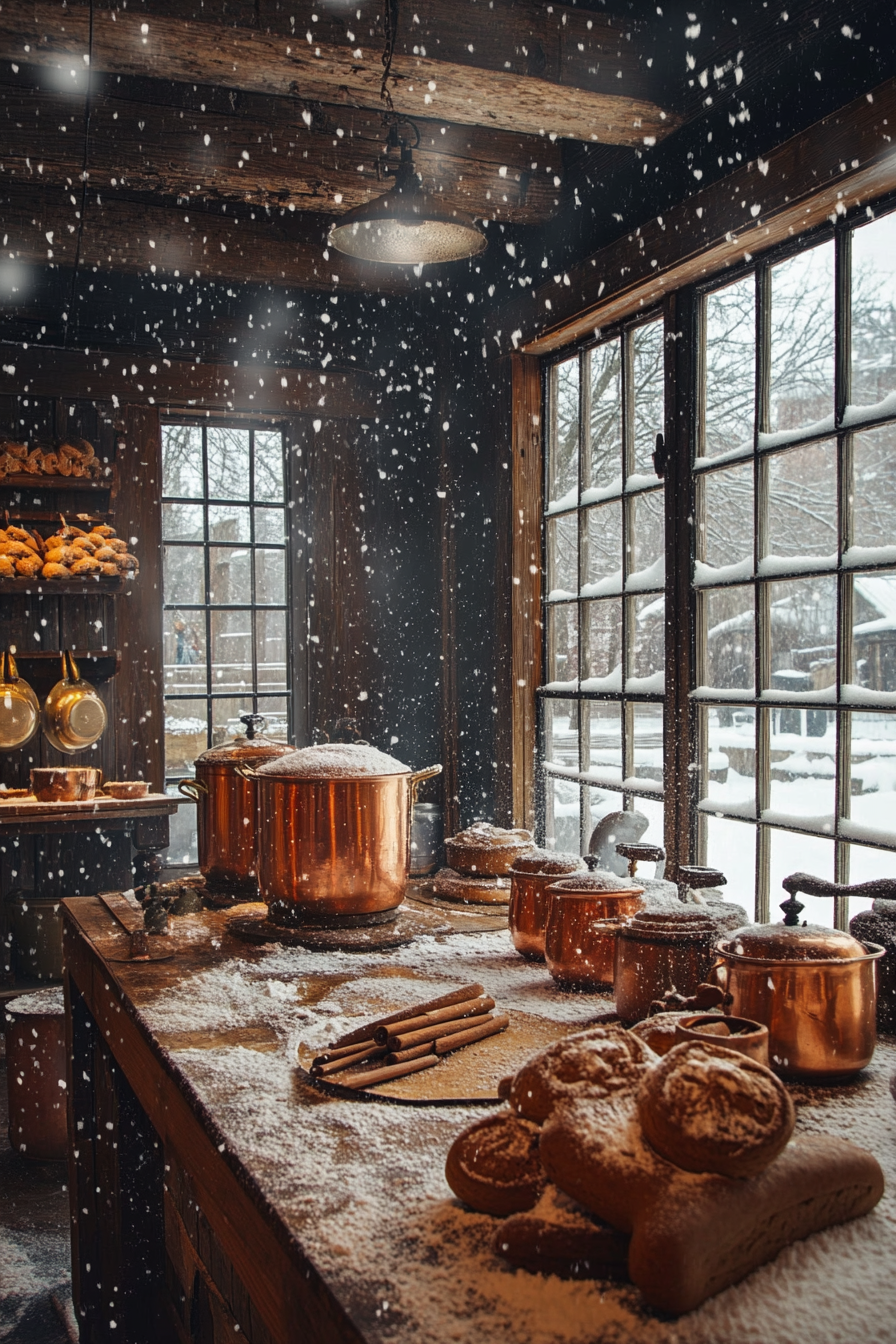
(526, 579)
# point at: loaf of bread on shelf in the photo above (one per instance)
(86, 565)
(55, 571)
(27, 566)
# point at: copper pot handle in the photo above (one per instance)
(246, 771)
(191, 788)
(418, 776)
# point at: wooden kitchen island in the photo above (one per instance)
(215, 1195)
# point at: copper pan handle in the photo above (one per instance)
(418, 776)
(880, 888)
(191, 788)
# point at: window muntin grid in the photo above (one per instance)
(601, 702)
(795, 570)
(225, 586)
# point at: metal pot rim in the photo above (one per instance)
(873, 951)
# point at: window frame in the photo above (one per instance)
(685, 833)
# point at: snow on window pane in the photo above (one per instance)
(602, 645)
(874, 488)
(562, 637)
(794, 852)
(874, 631)
(270, 649)
(730, 336)
(182, 522)
(645, 561)
(563, 456)
(872, 774)
(803, 752)
(230, 575)
(731, 847)
(728, 777)
(647, 377)
(802, 340)
(184, 652)
(652, 809)
(562, 815)
(185, 734)
(183, 832)
(647, 733)
(605, 464)
(725, 535)
(228, 462)
(602, 550)
(728, 655)
(873, 334)
(803, 635)
(561, 733)
(602, 726)
(562, 563)
(802, 501)
(647, 643)
(231, 652)
(228, 522)
(270, 525)
(226, 717)
(182, 461)
(268, 464)
(184, 573)
(276, 716)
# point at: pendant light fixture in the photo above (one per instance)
(407, 226)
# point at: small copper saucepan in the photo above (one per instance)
(585, 916)
(65, 784)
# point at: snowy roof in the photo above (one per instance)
(879, 591)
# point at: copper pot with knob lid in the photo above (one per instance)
(227, 807)
(815, 988)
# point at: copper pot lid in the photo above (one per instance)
(334, 761)
(547, 862)
(596, 884)
(245, 749)
(673, 923)
(778, 942)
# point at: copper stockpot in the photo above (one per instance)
(815, 988)
(227, 807)
(333, 848)
(527, 914)
(659, 951)
(585, 916)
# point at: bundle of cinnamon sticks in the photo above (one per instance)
(415, 1038)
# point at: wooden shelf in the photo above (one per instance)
(94, 664)
(27, 481)
(75, 587)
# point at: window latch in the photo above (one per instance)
(659, 457)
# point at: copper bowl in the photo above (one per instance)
(65, 784)
(740, 1034)
(126, 788)
(584, 919)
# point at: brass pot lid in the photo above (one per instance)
(246, 749)
(805, 942)
(333, 761)
(546, 862)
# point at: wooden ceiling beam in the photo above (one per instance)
(42, 225)
(331, 161)
(270, 390)
(581, 91)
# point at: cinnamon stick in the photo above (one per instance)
(415, 1052)
(359, 1080)
(342, 1051)
(468, 1008)
(461, 1038)
(404, 1041)
(348, 1061)
(415, 1010)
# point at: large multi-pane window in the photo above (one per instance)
(602, 699)
(226, 612)
(792, 515)
(795, 569)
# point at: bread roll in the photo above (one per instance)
(7, 567)
(52, 570)
(706, 1108)
(63, 555)
(596, 1062)
(29, 565)
(493, 1166)
(559, 1237)
(86, 565)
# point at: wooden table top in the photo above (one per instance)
(356, 1191)
(29, 809)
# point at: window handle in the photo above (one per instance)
(659, 457)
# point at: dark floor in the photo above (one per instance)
(35, 1252)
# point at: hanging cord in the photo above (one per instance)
(390, 21)
(87, 111)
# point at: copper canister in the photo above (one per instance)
(530, 877)
(585, 915)
(656, 952)
(227, 808)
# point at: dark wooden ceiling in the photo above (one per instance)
(222, 138)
